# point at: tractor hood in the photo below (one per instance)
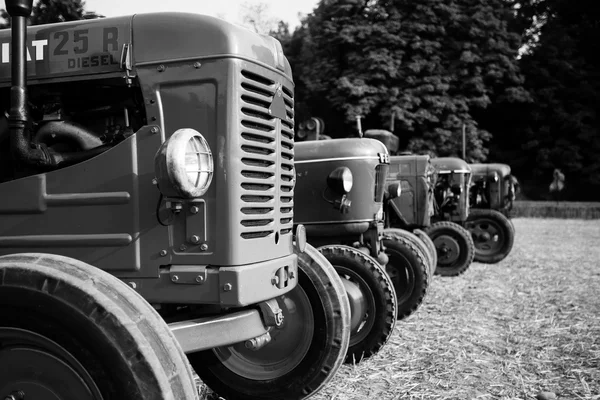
(481, 170)
(412, 165)
(339, 150)
(391, 141)
(112, 45)
(448, 165)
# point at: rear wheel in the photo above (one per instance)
(69, 331)
(455, 247)
(407, 267)
(302, 356)
(372, 300)
(493, 235)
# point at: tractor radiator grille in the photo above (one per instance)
(267, 159)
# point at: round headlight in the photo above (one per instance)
(184, 165)
(341, 180)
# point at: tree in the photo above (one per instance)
(51, 11)
(432, 63)
(256, 17)
(560, 128)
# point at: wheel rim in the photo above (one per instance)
(448, 250)
(402, 276)
(41, 369)
(288, 347)
(487, 236)
(362, 305)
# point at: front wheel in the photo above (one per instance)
(430, 246)
(407, 267)
(455, 247)
(493, 235)
(418, 241)
(372, 300)
(69, 331)
(302, 356)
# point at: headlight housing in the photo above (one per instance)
(184, 165)
(341, 180)
(394, 190)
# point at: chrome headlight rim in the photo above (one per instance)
(172, 162)
(341, 180)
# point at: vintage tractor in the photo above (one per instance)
(409, 212)
(146, 207)
(422, 203)
(456, 249)
(339, 199)
(493, 190)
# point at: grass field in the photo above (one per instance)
(529, 324)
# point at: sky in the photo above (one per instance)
(231, 10)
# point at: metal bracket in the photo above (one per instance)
(188, 274)
(271, 313)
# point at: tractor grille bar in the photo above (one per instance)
(267, 159)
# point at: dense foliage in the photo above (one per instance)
(50, 11)
(518, 76)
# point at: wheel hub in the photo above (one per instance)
(39, 368)
(448, 249)
(487, 235)
(288, 346)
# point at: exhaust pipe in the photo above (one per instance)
(23, 149)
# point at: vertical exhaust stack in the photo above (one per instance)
(18, 118)
(18, 121)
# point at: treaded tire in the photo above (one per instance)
(495, 224)
(407, 267)
(420, 243)
(430, 246)
(328, 343)
(90, 321)
(462, 237)
(377, 287)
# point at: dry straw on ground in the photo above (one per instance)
(507, 331)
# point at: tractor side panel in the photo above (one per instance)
(91, 211)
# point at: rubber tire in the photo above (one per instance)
(405, 257)
(326, 354)
(384, 296)
(417, 241)
(465, 242)
(431, 247)
(506, 228)
(118, 338)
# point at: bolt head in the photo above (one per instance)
(174, 278)
(199, 279)
(195, 239)
(163, 253)
(160, 68)
(197, 64)
(183, 247)
(227, 287)
(154, 129)
(194, 209)
(203, 247)
(132, 285)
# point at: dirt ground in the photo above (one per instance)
(512, 330)
(526, 325)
